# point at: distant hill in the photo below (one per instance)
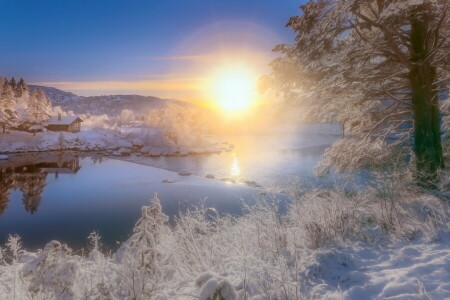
(110, 105)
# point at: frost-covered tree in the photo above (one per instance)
(20, 88)
(8, 113)
(2, 83)
(51, 273)
(13, 83)
(146, 235)
(61, 144)
(377, 67)
(141, 254)
(38, 111)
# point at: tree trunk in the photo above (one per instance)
(427, 125)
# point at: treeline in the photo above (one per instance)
(21, 109)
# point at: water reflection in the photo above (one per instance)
(30, 179)
(235, 170)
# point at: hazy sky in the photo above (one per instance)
(165, 48)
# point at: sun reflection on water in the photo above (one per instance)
(235, 170)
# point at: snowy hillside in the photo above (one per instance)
(58, 97)
(110, 105)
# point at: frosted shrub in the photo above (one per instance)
(97, 279)
(14, 246)
(253, 252)
(94, 239)
(146, 235)
(260, 255)
(141, 256)
(179, 126)
(2, 256)
(52, 272)
(385, 212)
(15, 249)
(61, 144)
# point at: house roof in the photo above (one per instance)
(63, 120)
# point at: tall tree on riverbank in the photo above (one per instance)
(379, 68)
(8, 113)
(38, 110)
(21, 88)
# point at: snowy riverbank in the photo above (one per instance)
(145, 141)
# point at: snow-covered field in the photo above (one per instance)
(328, 246)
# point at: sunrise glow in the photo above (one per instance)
(234, 89)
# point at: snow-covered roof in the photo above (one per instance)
(63, 120)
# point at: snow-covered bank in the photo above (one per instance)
(146, 142)
(345, 249)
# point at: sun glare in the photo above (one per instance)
(234, 89)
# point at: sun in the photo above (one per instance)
(234, 89)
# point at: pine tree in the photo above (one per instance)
(20, 89)
(38, 111)
(142, 254)
(2, 83)
(146, 235)
(8, 113)
(377, 67)
(13, 83)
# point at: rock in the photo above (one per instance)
(210, 176)
(124, 144)
(137, 142)
(184, 172)
(146, 149)
(252, 184)
(3, 157)
(229, 180)
(183, 151)
(124, 151)
(168, 180)
(155, 152)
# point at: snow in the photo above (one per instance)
(212, 285)
(98, 139)
(251, 257)
(405, 271)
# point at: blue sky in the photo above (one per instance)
(109, 46)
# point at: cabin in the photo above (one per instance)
(64, 123)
